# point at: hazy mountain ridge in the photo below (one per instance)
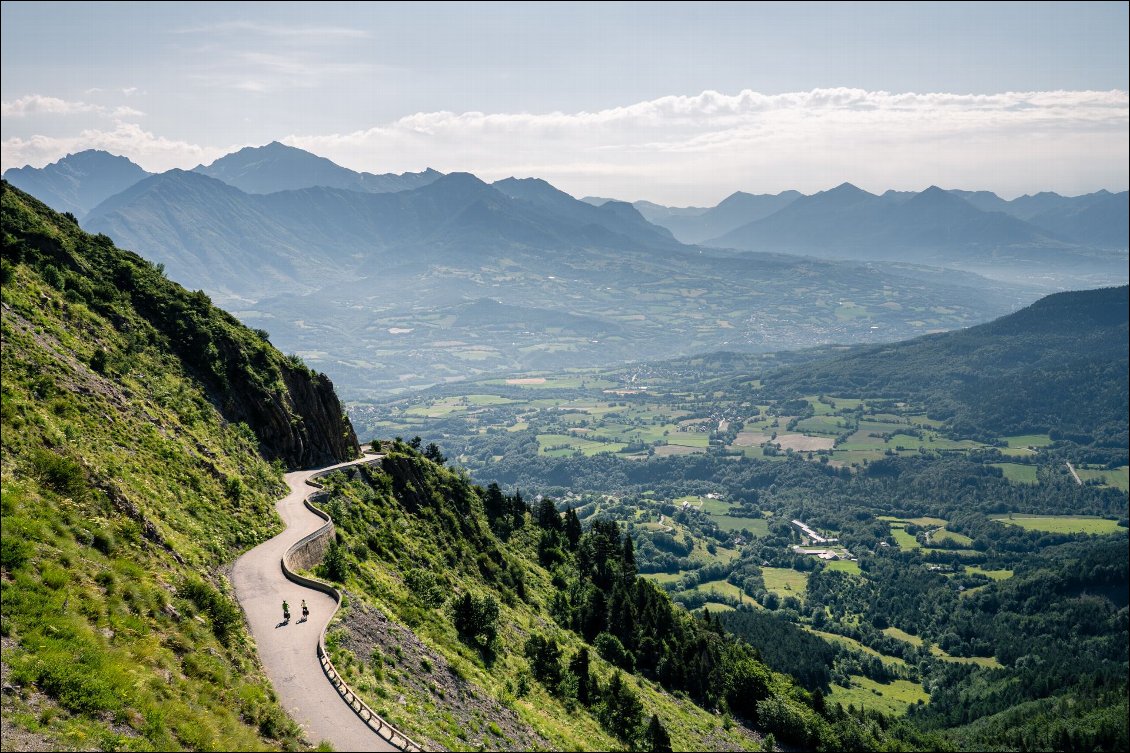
(1043, 216)
(278, 167)
(247, 245)
(1069, 247)
(616, 216)
(699, 224)
(735, 210)
(1059, 364)
(78, 182)
(848, 219)
(375, 271)
(1102, 222)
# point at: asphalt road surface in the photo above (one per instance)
(289, 651)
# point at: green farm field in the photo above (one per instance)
(951, 537)
(560, 445)
(717, 606)
(994, 574)
(1028, 440)
(1018, 473)
(902, 538)
(1117, 477)
(843, 566)
(1062, 523)
(784, 581)
(843, 640)
(890, 698)
(721, 587)
(902, 635)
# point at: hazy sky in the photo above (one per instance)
(672, 102)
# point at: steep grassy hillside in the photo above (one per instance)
(144, 434)
(474, 621)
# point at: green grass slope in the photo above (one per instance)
(133, 467)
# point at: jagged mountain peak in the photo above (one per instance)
(278, 167)
(935, 196)
(79, 181)
(846, 189)
(457, 183)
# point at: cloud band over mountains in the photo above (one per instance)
(697, 149)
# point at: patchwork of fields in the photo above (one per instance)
(640, 413)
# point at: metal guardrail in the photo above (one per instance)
(364, 713)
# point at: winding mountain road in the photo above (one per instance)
(289, 652)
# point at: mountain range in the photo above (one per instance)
(371, 286)
(277, 167)
(396, 281)
(701, 224)
(252, 245)
(848, 222)
(78, 182)
(1059, 364)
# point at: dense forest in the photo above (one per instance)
(898, 485)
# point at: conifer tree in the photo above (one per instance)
(494, 503)
(579, 666)
(622, 712)
(518, 510)
(628, 569)
(548, 517)
(656, 738)
(572, 528)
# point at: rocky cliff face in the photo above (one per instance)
(324, 434)
(293, 410)
(304, 425)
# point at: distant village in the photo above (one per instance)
(825, 552)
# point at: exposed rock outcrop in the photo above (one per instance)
(304, 425)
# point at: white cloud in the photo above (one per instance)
(698, 149)
(305, 33)
(268, 72)
(37, 104)
(154, 153)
